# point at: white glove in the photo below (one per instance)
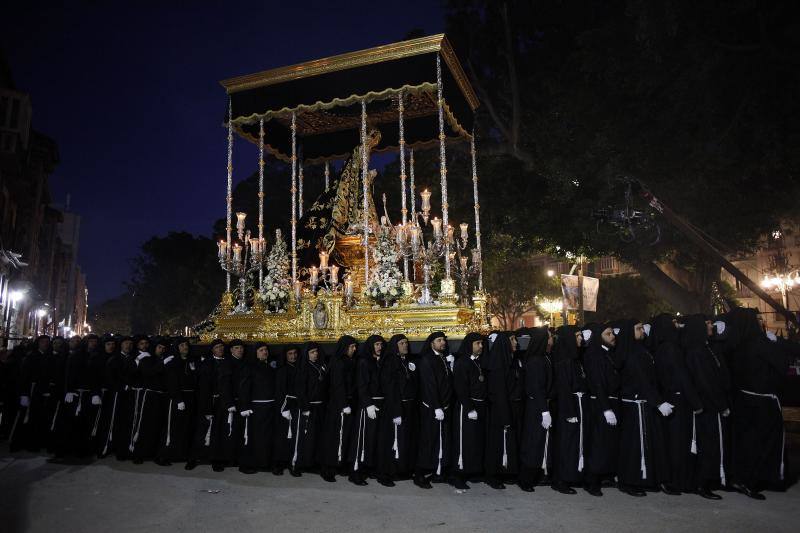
(286, 414)
(665, 409)
(726, 412)
(96, 400)
(547, 420)
(181, 406)
(209, 417)
(168, 359)
(472, 415)
(372, 412)
(397, 420)
(69, 397)
(438, 414)
(611, 418)
(573, 420)
(24, 401)
(698, 411)
(246, 413)
(347, 410)
(306, 413)
(231, 409)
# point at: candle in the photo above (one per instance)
(314, 276)
(221, 249)
(437, 227)
(323, 260)
(348, 286)
(450, 233)
(240, 221)
(334, 269)
(476, 256)
(464, 231)
(298, 288)
(463, 260)
(400, 234)
(426, 200)
(237, 252)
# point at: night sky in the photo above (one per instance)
(131, 96)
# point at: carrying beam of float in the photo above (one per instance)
(693, 235)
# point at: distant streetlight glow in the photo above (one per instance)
(551, 273)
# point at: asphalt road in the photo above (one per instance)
(107, 496)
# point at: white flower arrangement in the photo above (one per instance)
(386, 282)
(277, 283)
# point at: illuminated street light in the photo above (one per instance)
(16, 296)
(551, 273)
(41, 313)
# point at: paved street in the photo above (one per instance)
(107, 495)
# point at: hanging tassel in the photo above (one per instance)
(505, 452)
(580, 429)
(693, 447)
(139, 424)
(246, 424)
(546, 445)
(230, 423)
(721, 453)
(461, 439)
(341, 432)
(30, 404)
(109, 436)
(208, 431)
(169, 423)
(80, 402)
(395, 448)
(641, 440)
(55, 416)
(97, 420)
(439, 466)
(297, 440)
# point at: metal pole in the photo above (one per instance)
(229, 197)
(294, 197)
(260, 195)
(443, 166)
(364, 174)
(404, 211)
(477, 209)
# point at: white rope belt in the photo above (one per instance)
(780, 410)
(262, 401)
(137, 390)
(55, 416)
(609, 397)
(461, 439)
(580, 429)
(639, 403)
(80, 400)
(721, 452)
(169, 423)
(109, 436)
(693, 447)
(359, 445)
(296, 440)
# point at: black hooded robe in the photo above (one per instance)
(505, 384)
(312, 393)
(712, 382)
(257, 394)
(285, 380)
(364, 439)
(471, 393)
(603, 381)
(147, 431)
(536, 444)
(572, 403)
(341, 395)
(75, 421)
(179, 424)
(436, 392)
(31, 426)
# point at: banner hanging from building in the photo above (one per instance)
(570, 290)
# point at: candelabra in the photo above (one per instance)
(243, 259)
(464, 271)
(324, 276)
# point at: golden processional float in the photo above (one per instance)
(347, 271)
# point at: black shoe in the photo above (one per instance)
(607, 483)
(459, 484)
(357, 480)
(295, 472)
(437, 479)
(594, 491)
(495, 483)
(527, 487)
(162, 462)
(666, 489)
(138, 461)
(328, 476)
(386, 482)
(217, 467)
(190, 465)
(422, 482)
(277, 471)
(750, 493)
(633, 491)
(563, 489)
(707, 494)
(247, 470)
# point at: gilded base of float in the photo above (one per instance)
(325, 317)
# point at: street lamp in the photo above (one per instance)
(551, 273)
(782, 283)
(551, 305)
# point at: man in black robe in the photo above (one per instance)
(397, 448)
(535, 444)
(470, 390)
(643, 461)
(55, 409)
(603, 381)
(9, 388)
(97, 364)
(760, 367)
(571, 422)
(113, 389)
(214, 398)
(363, 446)
(285, 382)
(152, 412)
(341, 400)
(257, 407)
(180, 373)
(677, 388)
(712, 381)
(436, 395)
(77, 416)
(31, 425)
(312, 393)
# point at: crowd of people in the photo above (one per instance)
(678, 405)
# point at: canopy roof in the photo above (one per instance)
(326, 94)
